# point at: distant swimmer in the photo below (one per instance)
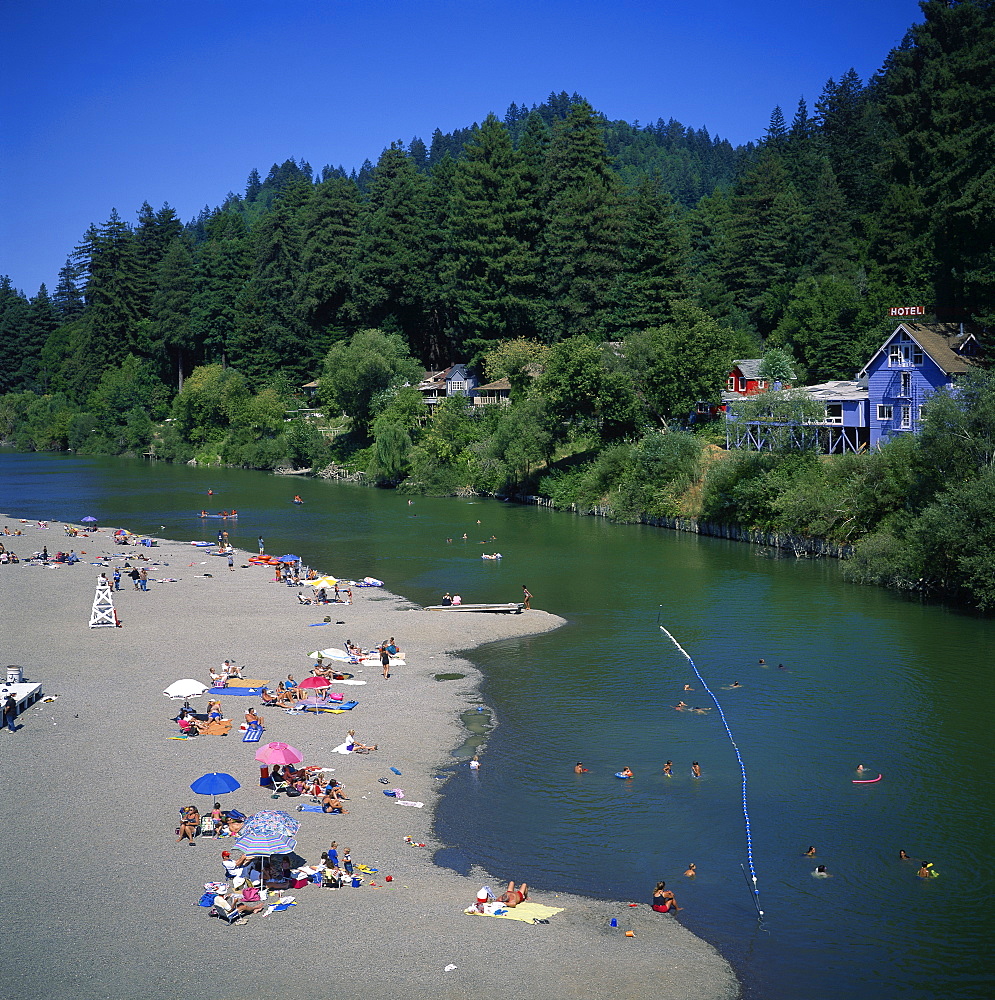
(700, 711)
(902, 856)
(690, 873)
(667, 768)
(810, 853)
(579, 768)
(820, 872)
(729, 687)
(861, 769)
(695, 769)
(762, 662)
(410, 502)
(626, 772)
(926, 870)
(687, 687)
(297, 499)
(681, 707)
(210, 493)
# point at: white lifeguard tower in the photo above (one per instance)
(103, 605)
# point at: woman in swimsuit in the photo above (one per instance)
(663, 899)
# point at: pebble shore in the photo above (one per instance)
(101, 900)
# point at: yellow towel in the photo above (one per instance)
(526, 912)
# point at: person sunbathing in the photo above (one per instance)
(512, 897)
(353, 745)
(301, 599)
(189, 824)
(331, 803)
(267, 696)
(214, 711)
(252, 718)
(283, 696)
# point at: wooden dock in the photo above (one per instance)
(501, 609)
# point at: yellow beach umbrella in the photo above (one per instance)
(323, 581)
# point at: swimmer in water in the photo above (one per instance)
(695, 769)
(926, 870)
(681, 707)
(700, 711)
(861, 769)
(729, 687)
(690, 873)
(810, 853)
(762, 662)
(687, 687)
(820, 872)
(902, 856)
(626, 772)
(579, 768)
(667, 768)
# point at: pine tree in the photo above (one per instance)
(580, 242)
(41, 322)
(68, 299)
(330, 234)
(392, 278)
(223, 267)
(14, 311)
(109, 260)
(493, 268)
(154, 234)
(654, 258)
(172, 306)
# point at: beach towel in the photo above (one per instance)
(342, 748)
(527, 912)
(252, 734)
(408, 802)
(239, 692)
(311, 809)
(284, 904)
(346, 706)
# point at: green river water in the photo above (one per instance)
(868, 677)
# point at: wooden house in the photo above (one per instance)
(456, 380)
(915, 361)
(493, 394)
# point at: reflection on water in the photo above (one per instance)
(868, 678)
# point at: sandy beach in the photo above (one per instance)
(101, 900)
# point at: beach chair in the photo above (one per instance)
(223, 909)
(206, 826)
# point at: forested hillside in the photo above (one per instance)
(609, 270)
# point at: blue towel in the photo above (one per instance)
(242, 692)
(310, 809)
(252, 734)
(395, 770)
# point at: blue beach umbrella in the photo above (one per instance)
(89, 520)
(214, 784)
(289, 558)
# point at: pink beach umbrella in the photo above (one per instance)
(315, 682)
(279, 753)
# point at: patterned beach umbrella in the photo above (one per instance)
(268, 832)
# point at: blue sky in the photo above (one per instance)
(109, 103)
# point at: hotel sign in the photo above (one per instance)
(906, 311)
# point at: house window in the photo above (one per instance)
(761, 383)
(742, 385)
(895, 355)
(884, 412)
(834, 413)
(731, 383)
(457, 386)
(906, 417)
(906, 384)
(916, 355)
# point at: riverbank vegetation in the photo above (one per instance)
(609, 271)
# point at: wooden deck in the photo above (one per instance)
(507, 609)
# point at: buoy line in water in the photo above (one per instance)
(742, 770)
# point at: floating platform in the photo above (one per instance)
(506, 609)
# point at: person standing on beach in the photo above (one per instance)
(117, 579)
(135, 576)
(528, 597)
(385, 662)
(143, 579)
(262, 545)
(9, 714)
(231, 562)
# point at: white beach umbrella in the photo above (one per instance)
(186, 688)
